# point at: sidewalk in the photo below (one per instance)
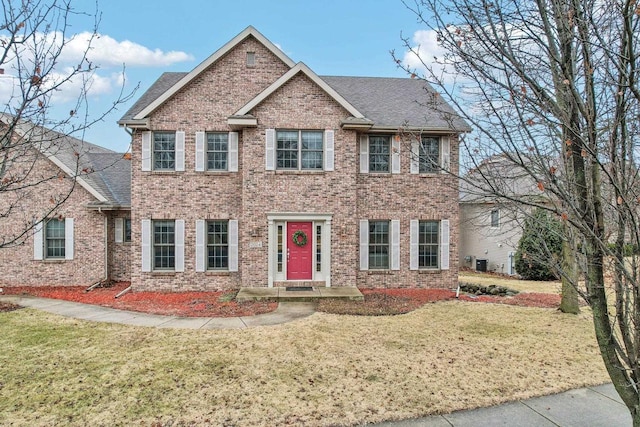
(598, 406)
(591, 406)
(286, 312)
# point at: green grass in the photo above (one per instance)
(325, 369)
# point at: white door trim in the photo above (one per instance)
(316, 219)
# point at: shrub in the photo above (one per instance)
(540, 244)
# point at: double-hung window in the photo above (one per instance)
(379, 153)
(428, 244)
(127, 230)
(164, 150)
(164, 253)
(217, 245)
(378, 245)
(54, 242)
(217, 151)
(495, 218)
(299, 150)
(429, 156)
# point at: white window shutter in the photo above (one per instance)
(233, 245)
(119, 230)
(270, 149)
(414, 228)
(179, 245)
(201, 234)
(364, 154)
(329, 150)
(68, 238)
(364, 244)
(395, 154)
(146, 245)
(395, 244)
(445, 146)
(200, 151)
(146, 151)
(415, 157)
(233, 151)
(38, 241)
(444, 244)
(180, 151)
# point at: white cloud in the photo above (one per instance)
(426, 56)
(108, 52)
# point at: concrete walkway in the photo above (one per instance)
(591, 406)
(286, 312)
(598, 406)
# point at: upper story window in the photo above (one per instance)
(54, 242)
(217, 151)
(164, 150)
(495, 218)
(429, 157)
(379, 154)
(299, 150)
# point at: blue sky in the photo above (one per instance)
(333, 37)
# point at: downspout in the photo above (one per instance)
(106, 245)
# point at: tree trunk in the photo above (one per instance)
(569, 302)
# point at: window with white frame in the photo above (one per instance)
(217, 151)
(495, 218)
(429, 156)
(299, 150)
(217, 245)
(54, 239)
(164, 150)
(428, 246)
(378, 245)
(164, 251)
(379, 153)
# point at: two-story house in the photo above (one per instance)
(251, 170)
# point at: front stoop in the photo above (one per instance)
(281, 294)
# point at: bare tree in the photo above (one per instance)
(551, 85)
(34, 37)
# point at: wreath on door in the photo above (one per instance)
(299, 238)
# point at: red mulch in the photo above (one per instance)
(222, 304)
(184, 304)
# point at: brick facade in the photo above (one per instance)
(253, 193)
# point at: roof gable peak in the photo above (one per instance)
(247, 32)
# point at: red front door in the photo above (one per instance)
(300, 253)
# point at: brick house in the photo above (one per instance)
(251, 170)
(83, 239)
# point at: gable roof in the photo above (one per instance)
(187, 78)
(160, 86)
(104, 173)
(300, 67)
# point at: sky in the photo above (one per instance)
(146, 38)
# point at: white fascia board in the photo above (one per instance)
(300, 67)
(249, 31)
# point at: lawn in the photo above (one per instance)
(326, 369)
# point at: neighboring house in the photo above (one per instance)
(251, 170)
(491, 227)
(83, 239)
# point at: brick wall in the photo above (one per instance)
(17, 264)
(119, 254)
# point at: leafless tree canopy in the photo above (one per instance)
(551, 86)
(33, 38)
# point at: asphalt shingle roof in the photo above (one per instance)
(160, 86)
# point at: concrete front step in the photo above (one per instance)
(282, 294)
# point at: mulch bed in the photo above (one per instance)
(377, 302)
(183, 304)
